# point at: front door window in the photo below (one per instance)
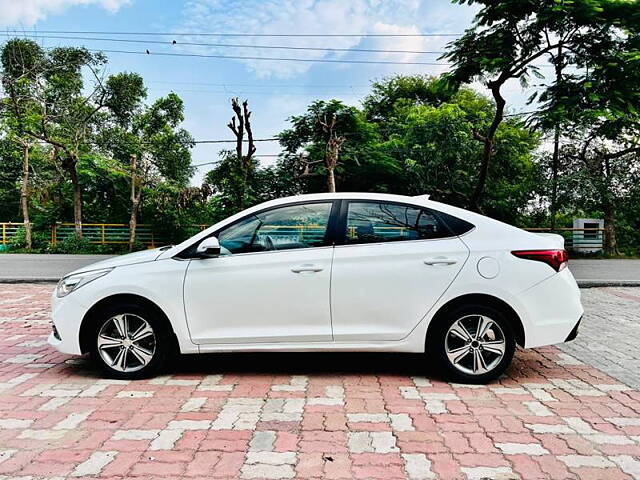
(284, 228)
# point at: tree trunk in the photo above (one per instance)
(554, 176)
(77, 198)
(135, 202)
(482, 175)
(489, 141)
(133, 221)
(331, 181)
(556, 148)
(610, 241)
(24, 198)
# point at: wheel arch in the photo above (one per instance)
(88, 321)
(482, 299)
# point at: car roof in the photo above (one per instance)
(346, 196)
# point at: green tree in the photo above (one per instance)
(395, 93)
(21, 63)
(598, 104)
(334, 141)
(147, 143)
(439, 155)
(68, 112)
(10, 176)
(510, 36)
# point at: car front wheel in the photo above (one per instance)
(129, 342)
(472, 344)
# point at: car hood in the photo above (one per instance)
(119, 261)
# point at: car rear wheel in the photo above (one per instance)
(129, 342)
(472, 344)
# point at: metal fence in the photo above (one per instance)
(8, 230)
(103, 233)
(576, 239)
(114, 233)
(98, 233)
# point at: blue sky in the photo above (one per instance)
(275, 89)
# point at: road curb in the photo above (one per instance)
(608, 283)
(30, 280)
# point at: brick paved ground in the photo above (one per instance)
(304, 416)
(610, 333)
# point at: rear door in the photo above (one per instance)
(396, 260)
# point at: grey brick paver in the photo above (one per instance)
(609, 334)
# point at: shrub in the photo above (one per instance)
(39, 241)
(72, 244)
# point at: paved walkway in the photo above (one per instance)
(610, 332)
(306, 416)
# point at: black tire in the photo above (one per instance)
(162, 340)
(439, 339)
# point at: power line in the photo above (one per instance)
(216, 162)
(211, 34)
(249, 92)
(234, 141)
(231, 45)
(242, 57)
(282, 85)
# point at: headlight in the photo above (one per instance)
(74, 282)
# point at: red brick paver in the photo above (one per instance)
(551, 417)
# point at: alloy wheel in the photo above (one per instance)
(126, 342)
(475, 344)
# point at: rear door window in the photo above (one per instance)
(375, 222)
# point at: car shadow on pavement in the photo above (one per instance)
(304, 363)
(271, 363)
(325, 363)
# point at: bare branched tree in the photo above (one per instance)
(240, 123)
(331, 154)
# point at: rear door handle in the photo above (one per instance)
(440, 261)
(306, 267)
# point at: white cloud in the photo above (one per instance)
(355, 17)
(18, 13)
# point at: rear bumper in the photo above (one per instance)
(574, 333)
(553, 310)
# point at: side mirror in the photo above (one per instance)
(209, 248)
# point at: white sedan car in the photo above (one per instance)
(328, 272)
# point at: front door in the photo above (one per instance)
(270, 283)
(396, 261)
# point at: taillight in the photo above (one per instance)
(556, 259)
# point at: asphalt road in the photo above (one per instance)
(25, 268)
(609, 272)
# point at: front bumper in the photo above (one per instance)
(67, 314)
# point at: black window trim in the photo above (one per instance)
(329, 236)
(341, 233)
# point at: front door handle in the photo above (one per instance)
(306, 267)
(440, 261)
